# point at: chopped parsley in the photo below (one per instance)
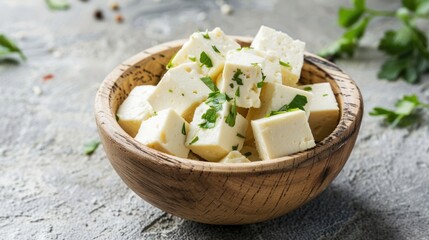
(210, 117)
(58, 4)
(298, 102)
(216, 99)
(236, 77)
(244, 48)
(194, 140)
(209, 83)
(261, 83)
(192, 58)
(234, 148)
(117, 117)
(240, 136)
(205, 60)
(170, 90)
(170, 63)
(155, 114)
(215, 49)
(184, 129)
(206, 35)
(308, 89)
(324, 95)
(237, 93)
(285, 64)
(230, 119)
(247, 154)
(231, 85)
(195, 92)
(183, 94)
(89, 148)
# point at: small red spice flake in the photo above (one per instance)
(48, 77)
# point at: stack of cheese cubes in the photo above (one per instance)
(231, 104)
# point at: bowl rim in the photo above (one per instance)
(349, 122)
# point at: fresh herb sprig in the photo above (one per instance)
(407, 47)
(297, 103)
(406, 111)
(58, 4)
(9, 48)
(90, 147)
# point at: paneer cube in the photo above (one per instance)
(273, 98)
(234, 157)
(290, 52)
(180, 88)
(324, 111)
(213, 139)
(250, 153)
(208, 49)
(269, 64)
(240, 78)
(165, 132)
(282, 134)
(135, 109)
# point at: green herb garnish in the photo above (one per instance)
(210, 117)
(297, 103)
(234, 148)
(8, 47)
(192, 58)
(205, 60)
(285, 64)
(240, 136)
(209, 83)
(206, 35)
(237, 92)
(170, 63)
(230, 119)
(170, 90)
(194, 140)
(58, 4)
(90, 147)
(308, 89)
(215, 49)
(404, 114)
(117, 117)
(184, 129)
(261, 83)
(247, 154)
(231, 85)
(236, 77)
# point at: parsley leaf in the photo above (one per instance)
(184, 129)
(230, 119)
(216, 99)
(170, 63)
(194, 140)
(285, 64)
(209, 83)
(237, 93)
(261, 83)
(349, 16)
(210, 117)
(297, 103)
(215, 49)
(240, 135)
(58, 4)
(234, 148)
(206, 35)
(308, 89)
(90, 147)
(236, 77)
(192, 58)
(205, 60)
(247, 154)
(404, 114)
(8, 47)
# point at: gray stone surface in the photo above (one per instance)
(50, 190)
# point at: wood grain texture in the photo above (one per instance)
(217, 193)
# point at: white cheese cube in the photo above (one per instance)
(215, 143)
(250, 153)
(324, 111)
(269, 64)
(214, 45)
(135, 109)
(180, 88)
(282, 134)
(273, 97)
(290, 52)
(165, 132)
(240, 78)
(234, 157)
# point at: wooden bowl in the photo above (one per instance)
(217, 193)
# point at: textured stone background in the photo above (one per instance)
(50, 190)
